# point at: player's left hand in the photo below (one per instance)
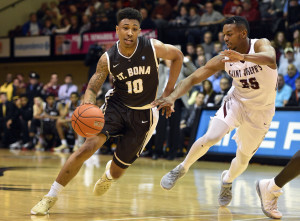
(233, 56)
(166, 104)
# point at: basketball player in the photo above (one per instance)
(133, 62)
(269, 190)
(249, 106)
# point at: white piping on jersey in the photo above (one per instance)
(125, 164)
(145, 107)
(145, 141)
(155, 58)
(108, 62)
(132, 53)
(154, 52)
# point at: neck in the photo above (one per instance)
(244, 46)
(127, 51)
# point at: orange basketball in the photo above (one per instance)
(88, 120)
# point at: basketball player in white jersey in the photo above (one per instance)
(249, 106)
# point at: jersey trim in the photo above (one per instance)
(145, 107)
(154, 52)
(108, 62)
(137, 45)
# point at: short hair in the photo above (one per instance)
(297, 79)
(129, 13)
(75, 93)
(239, 22)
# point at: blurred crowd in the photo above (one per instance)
(37, 115)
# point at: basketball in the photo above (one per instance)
(88, 120)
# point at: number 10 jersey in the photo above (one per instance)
(135, 78)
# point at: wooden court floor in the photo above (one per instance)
(26, 176)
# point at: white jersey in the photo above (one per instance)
(254, 85)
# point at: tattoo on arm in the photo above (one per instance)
(97, 80)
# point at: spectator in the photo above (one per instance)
(64, 122)
(67, 89)
(51, 87)
(211, 19)
(296, 40)
(109, 12)
(209, 93)
(224, 88)
(284, 92)
(101, 24)
(190, 51)
(35, 126)
(49, 28)
(201, 61)
(6, 111)
(74, 29)
(217, 48)
(41, 12)
(17, 91)
(293, 16)
(215, 80)
(32, 27)
(73, 12)
(208, 44)
(147, 22)
(250, 12)
(65, 26)
(194, 18)
(21, 80)
(34, 88)
(182, 19)
(86, 24)
(221, 40)
(294, 99)
(189, 119)
(162, 13)
(8, 87)
(230, 8)
(292, 75)
(25, 120)
(51, 113)
(186, 3)
(288, 58)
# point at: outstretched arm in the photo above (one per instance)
(211, 67)
(169, 52)
(96, 81)
(264, 54)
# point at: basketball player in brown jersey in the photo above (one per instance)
(133, 62)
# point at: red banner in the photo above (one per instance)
(79, 44)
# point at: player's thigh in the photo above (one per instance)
(230, 112)
(139, 128)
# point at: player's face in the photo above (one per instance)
(233, 36)
(128, 31)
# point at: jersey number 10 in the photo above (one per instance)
(135, 86)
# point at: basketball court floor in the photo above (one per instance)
(26, 176)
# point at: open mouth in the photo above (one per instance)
(128, 41)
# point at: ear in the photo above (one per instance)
(244, 34)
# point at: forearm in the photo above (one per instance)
(90, 96)
(182, 88)
(175, 69)
(261, 58)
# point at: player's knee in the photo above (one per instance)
(211, 140)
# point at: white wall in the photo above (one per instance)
(17, 15)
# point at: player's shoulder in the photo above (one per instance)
(262, 42)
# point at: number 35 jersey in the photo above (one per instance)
(135, 78)
(254, 85)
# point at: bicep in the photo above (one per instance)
(166, 51)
